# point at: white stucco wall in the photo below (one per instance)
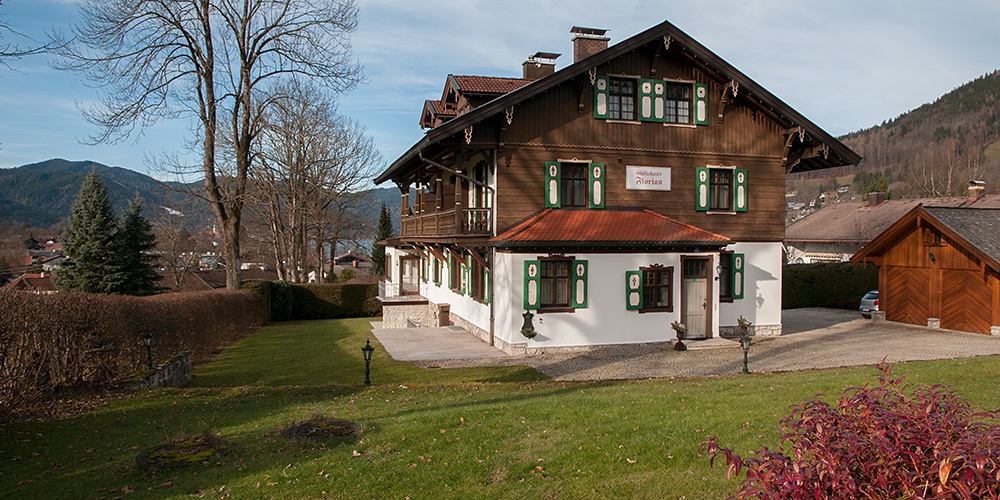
(761, 303)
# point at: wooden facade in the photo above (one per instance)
(932, 266)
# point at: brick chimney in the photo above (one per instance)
(875, 198)
(588, 41)
(976, 190)
(540, 65)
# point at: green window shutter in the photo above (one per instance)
(601, 85)
(740, 191)
(469, 282)
(451, 272)
(597, 183)
(738, 282)
(487, 286)
(652, 95)
(552, 184)
(532, 283)
(579, 284)
(633, 290)
(701, 189)
(700, 104)
(423, 269)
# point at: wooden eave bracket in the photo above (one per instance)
(793, 133)
(477, 258)
(433, 251)
(724, 99)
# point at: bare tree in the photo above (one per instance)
(311, 162)
(10, 51)
(213, 60)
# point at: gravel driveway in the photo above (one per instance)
(812, 338)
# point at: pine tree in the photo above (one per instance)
(383, 233)
(136, 273)
(88, 241)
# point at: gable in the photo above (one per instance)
(660, 52)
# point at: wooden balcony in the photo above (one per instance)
(466, 221)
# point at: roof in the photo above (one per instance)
(839, 154)
(978, 226)
(32, 283)
(856, 222)
(975, 229)
(439, 108)
(615, 228)
(469, 84)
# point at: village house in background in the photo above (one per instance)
(838, 230)
(643, 184)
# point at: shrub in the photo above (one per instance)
(839, 285)
(339, 300)
(346, 275)
(263, 289)
(889, 441)
(76, 339)
(281, 301)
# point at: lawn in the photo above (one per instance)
(426, 433)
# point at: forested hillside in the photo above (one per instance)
(935, 149)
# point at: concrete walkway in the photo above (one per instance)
(812, 339)
(432, 344)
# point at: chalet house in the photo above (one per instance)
(40, 283)
(837, 231)
(940, 267)
(641, 185)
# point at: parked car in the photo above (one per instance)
(869, 303)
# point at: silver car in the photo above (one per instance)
(869, 303)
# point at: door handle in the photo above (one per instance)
(704, 304)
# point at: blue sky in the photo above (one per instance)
(846, 64)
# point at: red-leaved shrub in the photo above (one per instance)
(888, 441)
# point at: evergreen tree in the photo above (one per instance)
(88, 241)
(383, 233)
(136, 274)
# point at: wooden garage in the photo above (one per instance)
(940, 266)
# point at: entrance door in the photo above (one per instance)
(694, 296)
(409, 276)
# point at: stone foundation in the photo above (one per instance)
(733, 332)
(173, 373)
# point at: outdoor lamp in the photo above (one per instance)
(367, 350)
(147, 338)
(745, 344)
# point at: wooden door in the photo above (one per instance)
(966, 301)
(409, 276)
(694, 297)
(907, 294)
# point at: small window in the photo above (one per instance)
(455, 269)
(720, 189)
(726, 277)
(621, 99)
(554, 283)
(650, 289)
(678, 102)
(573, 184)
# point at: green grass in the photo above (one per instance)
(436, 438)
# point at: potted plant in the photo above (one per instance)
(679, 329)
(744, 325)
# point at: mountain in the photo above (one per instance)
(933, 150)
(41, 194)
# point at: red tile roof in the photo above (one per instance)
(618, 227)
(440, 109)
(33, 283)
(489, 84)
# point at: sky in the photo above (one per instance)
(844, 64)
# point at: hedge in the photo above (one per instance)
(335, 300)
(75, 339)
(838, 285)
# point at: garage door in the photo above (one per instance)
(966, 301)
(906, 295)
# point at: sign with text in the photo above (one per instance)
(647, 178)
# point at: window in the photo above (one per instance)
(726, 276)
(553, 284)
(721, 189)
(650, 100)
(650, 289)
(436, 270)
(573, 184)
(621, 99)
(455, 274)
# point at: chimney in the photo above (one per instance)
(587, 42)
(875, 198)
(976, 190)
(540, 65)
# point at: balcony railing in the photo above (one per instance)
(470, 221)
(387, 290)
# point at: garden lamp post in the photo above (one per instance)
(147, 338)
(367, 350)
(745, 344)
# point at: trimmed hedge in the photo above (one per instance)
(335, 300)
(263, 289)
(838, 285)
(75, 339)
